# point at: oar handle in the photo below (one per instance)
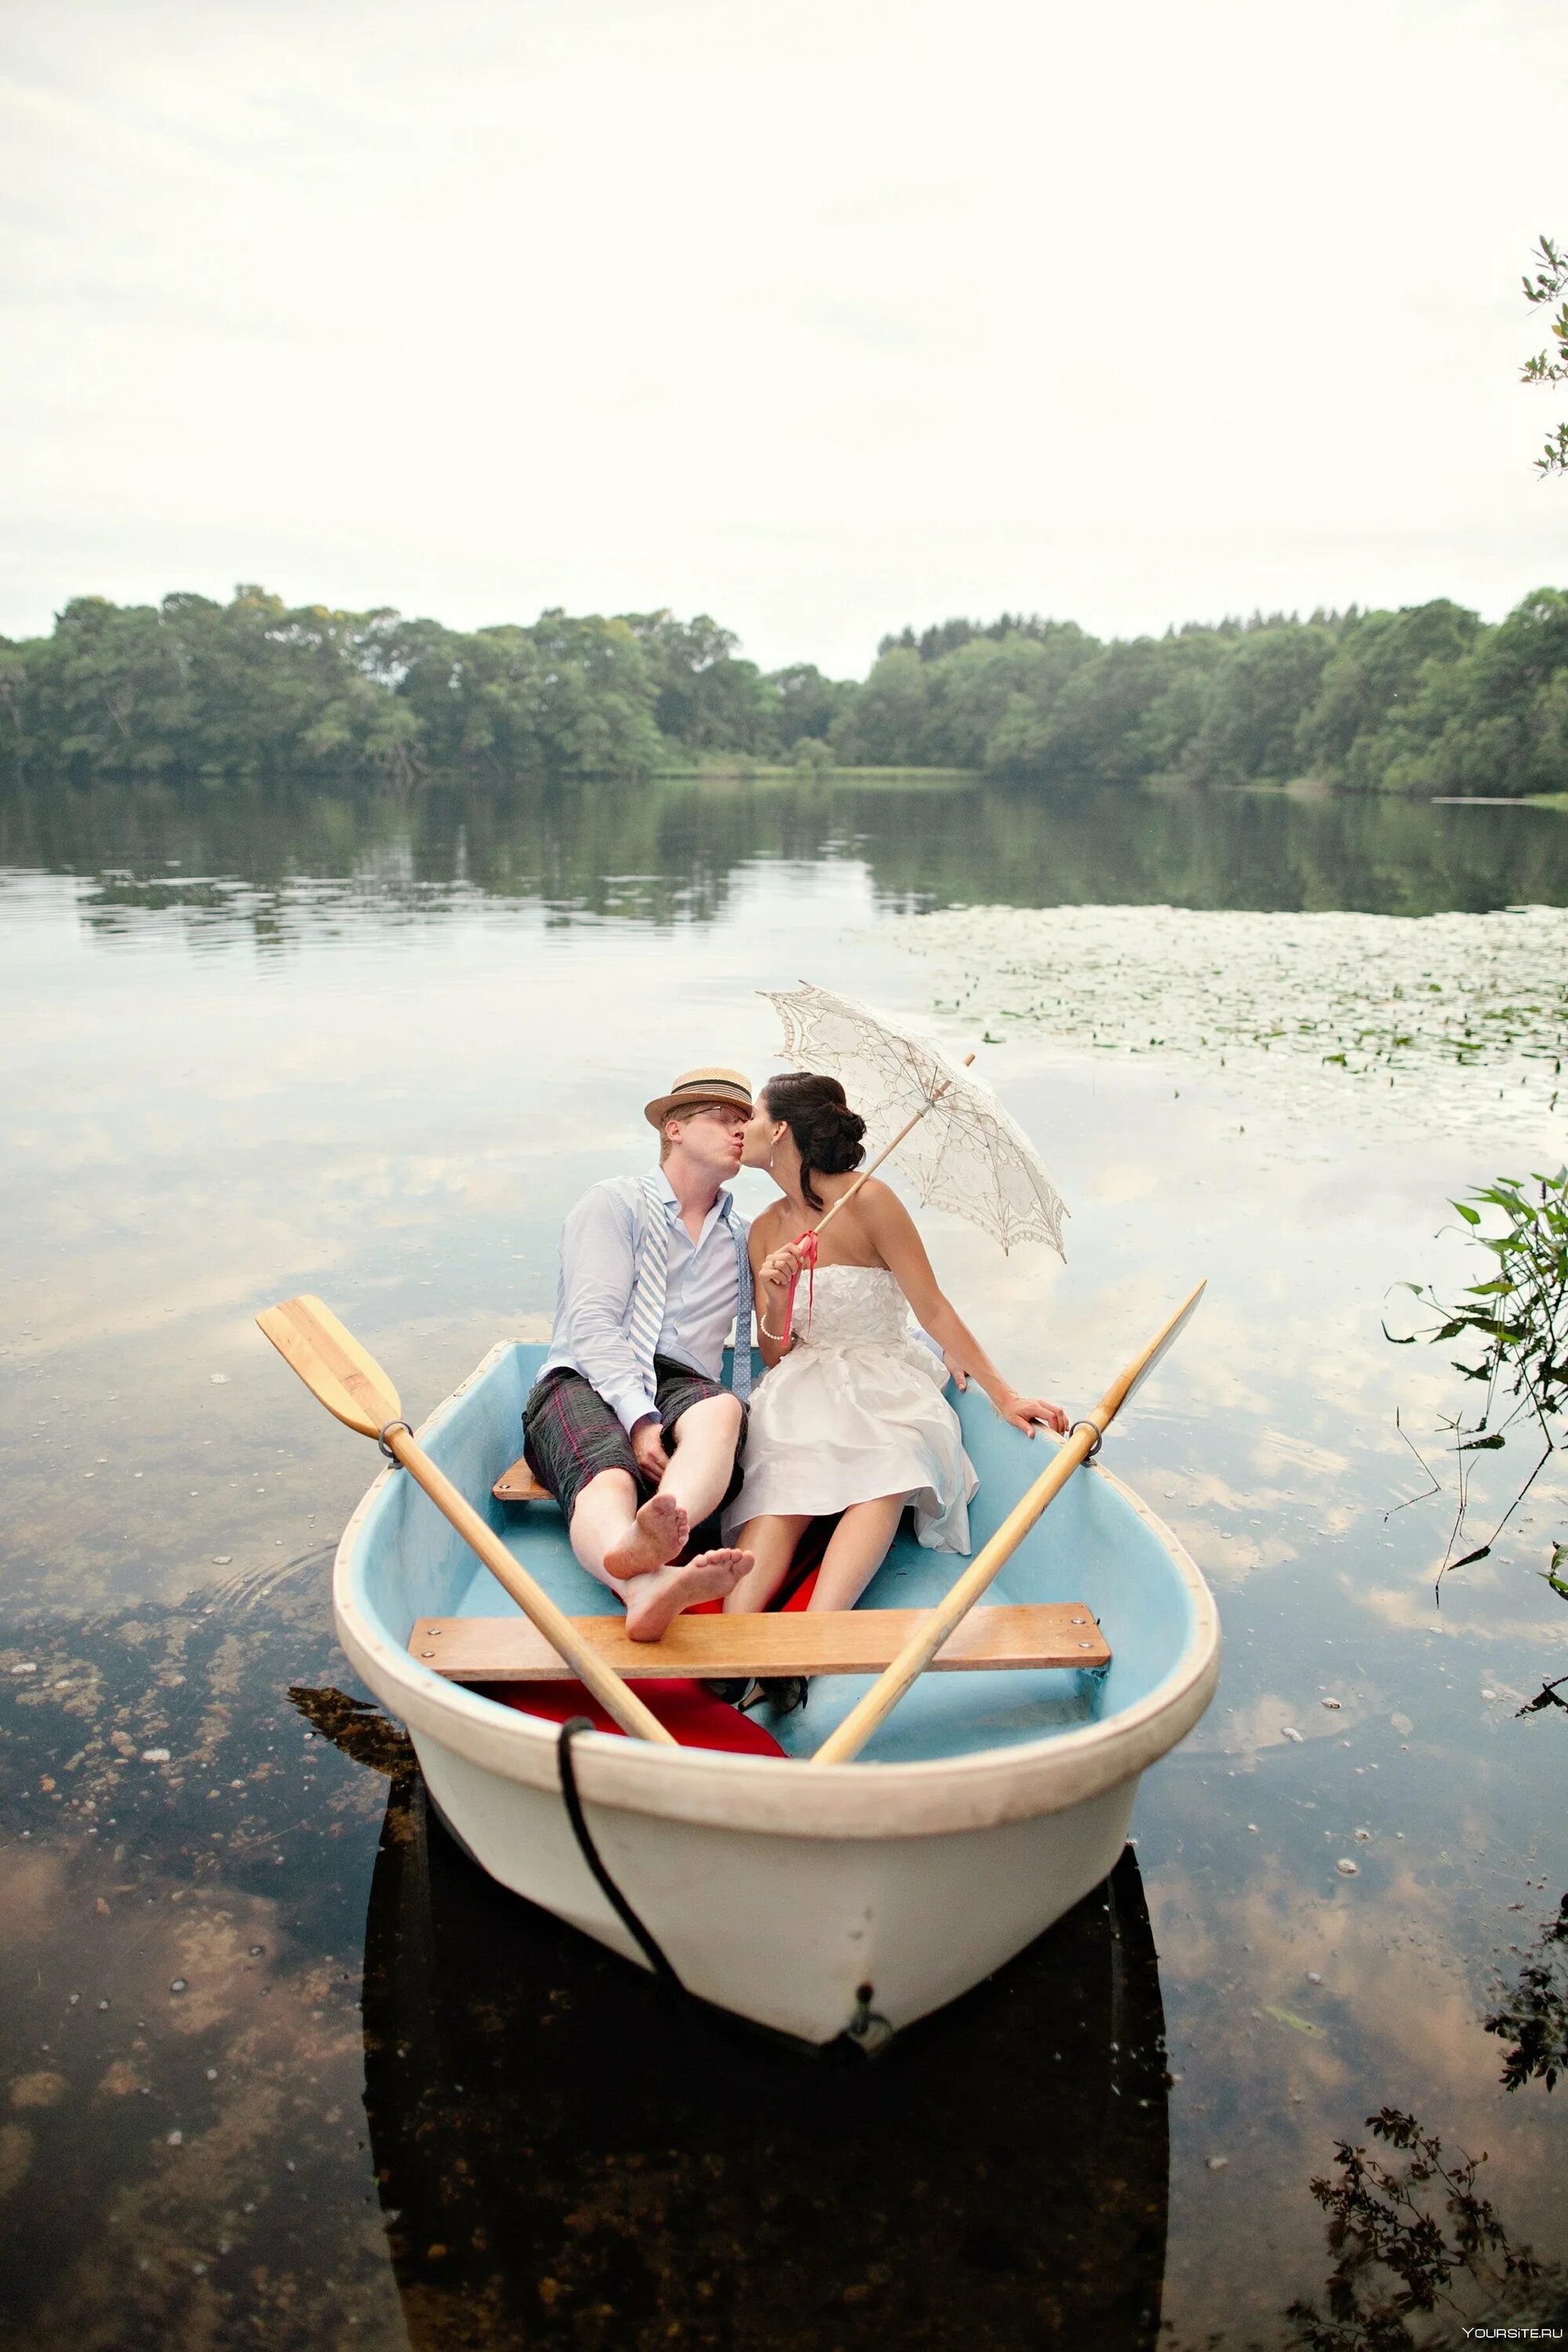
(616, 1697)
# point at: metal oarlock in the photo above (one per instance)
(1099, 1435)
(382, 1436)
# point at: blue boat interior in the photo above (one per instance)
(1091, 1546)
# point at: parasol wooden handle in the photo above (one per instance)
(879, 1702)
(907, 1128)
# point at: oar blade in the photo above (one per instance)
(1133, 1378)
(331, 1363)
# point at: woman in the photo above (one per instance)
(850, 1416)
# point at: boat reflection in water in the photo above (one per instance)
(570, 2155)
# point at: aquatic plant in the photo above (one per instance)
(1459, 1018)
(1403, 2238)
(1519, 1318)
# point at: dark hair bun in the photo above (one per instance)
(836, 1132)
(827, 1134)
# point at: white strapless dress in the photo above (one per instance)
(856, 1410)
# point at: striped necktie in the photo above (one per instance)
(652, 1282)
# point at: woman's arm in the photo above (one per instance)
(902, 1252)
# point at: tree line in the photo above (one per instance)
(1429, 699)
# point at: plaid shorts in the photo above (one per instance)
(570, 1434)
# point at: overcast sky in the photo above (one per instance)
(820, 318)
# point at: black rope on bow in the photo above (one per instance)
(590, 1853)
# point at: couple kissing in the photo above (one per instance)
(630, 1424)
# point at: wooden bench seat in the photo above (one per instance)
(519, 1484)
(808, 1641)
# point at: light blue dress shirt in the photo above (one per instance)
(599, 1273)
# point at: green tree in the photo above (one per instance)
(806, 703)
(944, 638)
(441, 675)
(987, 690)
(276, 689)
(250, 700)
(1260, 693)
(1491, 722)
(12, 694)
(596, 698)
(706, 700)
(1089, 732)
(884, 727)
(1419, 700)
(109, 692)
(931, 644)
(567, 696)
(1358, 726)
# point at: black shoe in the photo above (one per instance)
(732, 1693)
(785, 1692)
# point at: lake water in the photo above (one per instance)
(277, 2068)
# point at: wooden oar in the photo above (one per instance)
(352, 1384)
(884, 1694)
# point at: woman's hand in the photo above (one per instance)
(1024, 1412)
(781, 1268)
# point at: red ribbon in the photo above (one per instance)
(807, 1246)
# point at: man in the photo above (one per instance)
(628, 1424)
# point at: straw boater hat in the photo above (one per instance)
(695, 1089)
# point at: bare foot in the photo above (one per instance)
(654, 1538)
(661, 1597)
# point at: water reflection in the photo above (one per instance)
(272, 861)
(560, 2154)
(1533, 2016)
(200, 1132)
(568, 2156)
(182, 2149)
(1415, 2238)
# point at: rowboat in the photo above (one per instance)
(856, 1896)
(565, 2156)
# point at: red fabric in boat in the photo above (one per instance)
(683, 1708)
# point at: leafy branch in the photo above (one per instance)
(1519, 1316)
(1551, 280)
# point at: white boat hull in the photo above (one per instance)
(785, 1930)
(776, 1888)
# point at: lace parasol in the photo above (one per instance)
(959, 1149)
